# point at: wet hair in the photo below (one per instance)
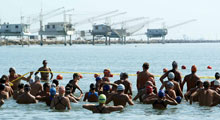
(11, 69)
(44, 61)
(21, 86)
(69, 85)
(4, 77)
(174, 64)
(92, 86)
(198, 83)
(217, 75)
(2, 87)
(124, 75)
(27, 87)
(206, 84)
(56, 82)
(146, 65)
(75, 75)
(46, 85)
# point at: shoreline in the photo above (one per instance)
(59, 42)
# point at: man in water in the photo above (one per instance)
(102, 108)
(60, 102)
(206, 96)
(120, 98)
(177, 78)
(176, 88)
(161, 101)
(16, 78)
(74, 82)
(92, 95)
(191, 79)
(124, 81)
(216, 86)
(199, 85)
(19, 92)
(26, 97)
(3, 93)
(217, 77)
(45, 74)
(36, 87)
(143, 76)
(8, 89)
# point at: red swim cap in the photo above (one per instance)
(194, 68)
(149, 89)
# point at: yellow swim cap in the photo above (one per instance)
(102, 98)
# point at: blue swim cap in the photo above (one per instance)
(161, 94)
(178, 99)
(106, 88)
(52, 91)
(98, 79)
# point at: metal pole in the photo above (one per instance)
(93, 40)
(71, 40)
(106, 42)
(109, 40)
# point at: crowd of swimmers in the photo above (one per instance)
(103, 91)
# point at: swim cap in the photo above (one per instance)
(194, 68)
(31, 81)
(106, 88)
(178, 99)
(102, 98)
(96, 75)
(62, 89)
(217, 75)
(53, 85)
(161, 94)
(12, 69)
(92, 86)
(37, 77)
(59, 77)
(149, 83)
(149, 89)
(165, 70)
(52, 91)
(120, 87)
(174, 63)
(171, 75)
(98, 79)
(216, 82)
(170, 84)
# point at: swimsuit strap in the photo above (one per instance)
(60, 101)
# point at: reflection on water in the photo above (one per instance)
(128, 58)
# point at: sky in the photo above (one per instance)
(206, 12)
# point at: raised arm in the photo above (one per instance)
(163, 76)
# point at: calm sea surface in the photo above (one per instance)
(119, 58)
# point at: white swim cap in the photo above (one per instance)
(120, 87)
(31, 81)
(170, 84)
(37, 78)
(216, 82)
(171, 75)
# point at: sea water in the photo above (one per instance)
(118, 58)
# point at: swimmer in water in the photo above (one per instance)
(217, 77)
(92, 95)
(161, 101)
(191, 79)
(206, 96)
(19, 92)
(26, 97)
(102, 108)
(36, 87)
(177, 74)
(74, 82)
(61, 102)
(120, 98)
(45, 75)
(3, 93)
(8, 89)
(199, 85)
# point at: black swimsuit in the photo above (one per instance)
(60, 102)
(159, 103)
(100, 110)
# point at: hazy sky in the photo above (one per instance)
(173, 11)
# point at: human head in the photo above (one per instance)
(161, 94)
(206, 84)
(171, 76)
(107, 72)
(120, 88)
(123, 76)
(27, 88)
(21, 86)
(149, 89)
(199, 84)
(145, 66)
(178, 99)
(45, 62)
(2, 87)
(4, 78)
(217, 75)
(106, 88)
(102, 99)
(76, 76)
(52, 91)
(149, 83)
(12, 70)
(56, 82)
(37, 78)
(170, 84)
(92, 86)
(193, 69)
(98, 79)
(61, 90)
(174, 65)
(216, 83)
(46, 87)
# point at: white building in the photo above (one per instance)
(14, 29)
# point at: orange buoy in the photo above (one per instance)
(59, 77)
(165, 70)
(209, 67)
(96, 75)
(80, 76)
(111, 75)
(138, 72)
(183, 67)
